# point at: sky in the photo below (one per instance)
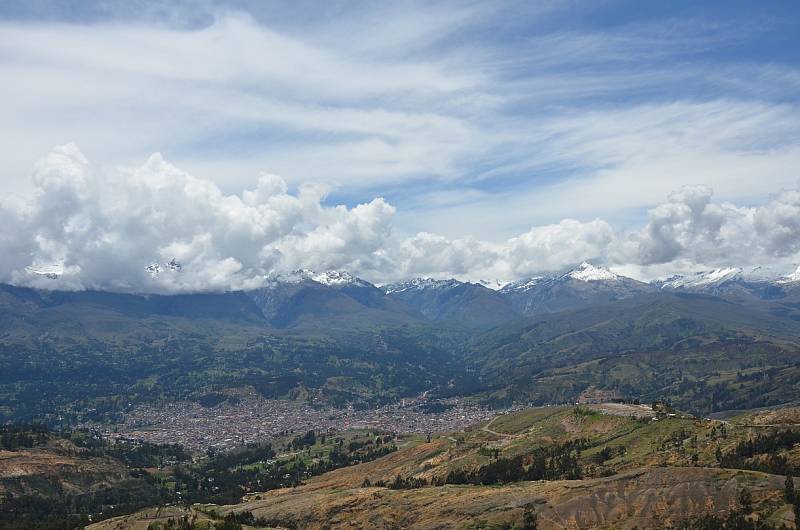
(479, 140)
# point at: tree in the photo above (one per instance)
(788, 488)
(530, 520)
(746, 501)
(796, 510)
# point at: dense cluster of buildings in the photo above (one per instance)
(251, 418)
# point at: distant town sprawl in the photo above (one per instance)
(251, 418)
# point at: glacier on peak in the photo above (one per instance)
(586, 272)
(419, 284)
(790, 278)
(330, 278)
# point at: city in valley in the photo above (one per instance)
(251, 418)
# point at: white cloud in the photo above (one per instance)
(509, 146)
(104, 229)
(101, 230)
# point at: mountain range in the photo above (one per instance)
(704, 341)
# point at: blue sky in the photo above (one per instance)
(473, 119)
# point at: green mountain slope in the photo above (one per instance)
(655, 346)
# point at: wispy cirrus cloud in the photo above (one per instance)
(479, 124)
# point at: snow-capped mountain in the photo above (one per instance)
(419, 284)
(302, 296)
(156, 268)
(470, 304)
(339, 279)
(583, 285)
(734, 283)
(330, 278)
(524, 284)
(494, 285)
(790, 278)
(700, 280)
(51, 272)
(586, 272)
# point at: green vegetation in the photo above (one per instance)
(13, 437)
(762, 453)
(67, 357)
(554, 462)
(164, 474)
(737, 520)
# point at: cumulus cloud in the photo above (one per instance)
(691, 227)
(103, 230)
(156, 228)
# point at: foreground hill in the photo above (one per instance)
(601, 470)
(52, 477)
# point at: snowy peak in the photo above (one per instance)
(419, 284)
(716, 277)
(295, 276)
(329, 278)
(51, 272)
(586, 272)
(339, 279)
(494, 285)
(702, 279)
(523, 285)
(157, 268)
(790, 278)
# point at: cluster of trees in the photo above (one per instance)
(226, 478)
(303, 441)
(68, 510)
(554, 462)
(71, 522)
(232, 521)
(733, 521)
(739, 519)
(400, 483)
(339, 457)
(136, 454)
(14, 437)
(607, 453)
(765, 446)
(221, 478)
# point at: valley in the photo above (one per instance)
(249, 418)
(725, 341)
(424, 265)
(580, 400)
(628, 472)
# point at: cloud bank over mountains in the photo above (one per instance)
(97, 229)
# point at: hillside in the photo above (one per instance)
(54, 476)
(68, 354)
(346, 341)
(678, 346)
(631, 472)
